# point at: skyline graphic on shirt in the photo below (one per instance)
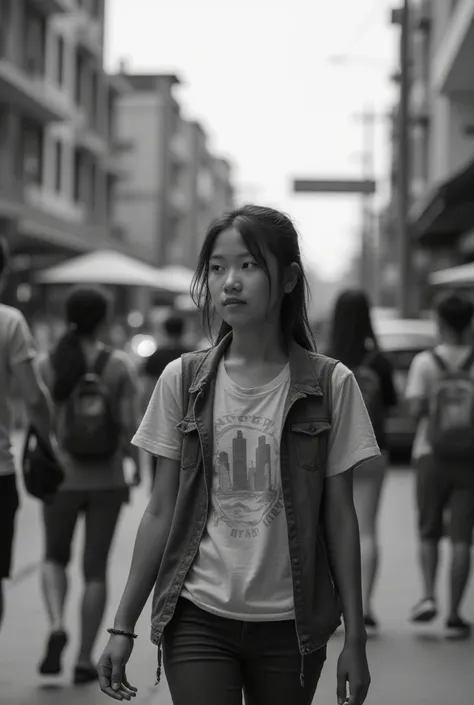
(246, 483)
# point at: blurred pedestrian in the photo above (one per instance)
(169, 349)
(440, 392)
(251, 522)
(95, 393)
(17, 353)
(354, 342)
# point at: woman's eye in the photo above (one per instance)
(250, 265)
(215, 268)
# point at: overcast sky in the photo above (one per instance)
(258, 75)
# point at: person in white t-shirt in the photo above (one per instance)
(249, 465)
(17, 353)
(444, 484)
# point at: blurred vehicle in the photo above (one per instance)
(400, 340)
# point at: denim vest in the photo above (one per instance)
(305, 432)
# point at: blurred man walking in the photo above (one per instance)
(440, 390)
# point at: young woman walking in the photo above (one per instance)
(93, 463)
(354, 343)
(250, 536)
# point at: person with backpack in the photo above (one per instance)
(17, 357)
(250, 536)
(353, 341)
(440, 394)
(96, 399)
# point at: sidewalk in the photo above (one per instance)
(408, 667)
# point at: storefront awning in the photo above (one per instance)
(460, 276)
(448, 211)
(114, 268)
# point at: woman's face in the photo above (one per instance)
(238, 286)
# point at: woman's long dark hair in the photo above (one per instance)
(351, 333)
(86, 309)
(262, 230)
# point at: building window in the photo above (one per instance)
(77, 176)
(92, 187)
(80, 78)
(32, 152)
(58, 166)
(35, 43)
(60, 51)
(94, 97)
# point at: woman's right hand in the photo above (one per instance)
(111, 668)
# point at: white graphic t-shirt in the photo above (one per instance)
(247, 521)
(242, 568)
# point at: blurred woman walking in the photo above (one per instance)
(353, 342)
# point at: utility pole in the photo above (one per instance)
(406, 291)
(368, 274)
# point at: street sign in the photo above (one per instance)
(364, 186)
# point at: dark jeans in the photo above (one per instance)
(210, 660)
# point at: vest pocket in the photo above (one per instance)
(190, 445)
(311, 443)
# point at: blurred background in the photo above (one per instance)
(127, 130)
(126, 127)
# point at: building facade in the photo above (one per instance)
(174, 185)
(58, 147)
(442, 130)
(441, 148)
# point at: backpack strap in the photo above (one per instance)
(101, 361)
(441, 364)
(468, 364)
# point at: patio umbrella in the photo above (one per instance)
(462, 275)
(114, 268)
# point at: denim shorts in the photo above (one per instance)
(212, 660)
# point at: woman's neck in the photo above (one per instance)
(255, 346)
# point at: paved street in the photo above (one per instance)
(408, 667)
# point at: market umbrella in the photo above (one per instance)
(463, 275)
(114, 268)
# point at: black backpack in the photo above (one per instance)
(451, 411)
(90, 425)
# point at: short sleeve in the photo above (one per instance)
(352, 440)
(418, 381)
(21, 345)
(158, 433)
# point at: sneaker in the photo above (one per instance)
(425, 611)
(457, 628)
(51, 663)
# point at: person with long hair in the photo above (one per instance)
(250, 536)
(354, 343)
(94, 485)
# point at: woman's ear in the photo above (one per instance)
(293, 273)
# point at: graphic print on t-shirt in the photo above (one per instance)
(246, 492)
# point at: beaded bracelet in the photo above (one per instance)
(120, 632)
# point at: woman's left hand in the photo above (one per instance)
(353, 670)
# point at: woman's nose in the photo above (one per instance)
(232, 282)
